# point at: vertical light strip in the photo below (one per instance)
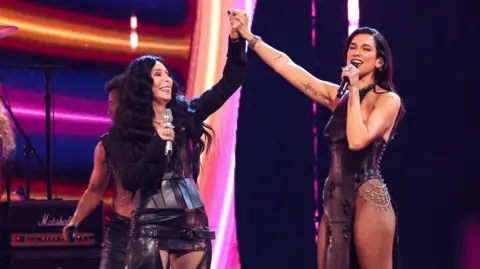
(225, 253)
(353, 15)
(315, 133)
(211, 68)
(133, 32)
(216, 180)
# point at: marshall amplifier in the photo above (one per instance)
(31, 235)
(39, 223)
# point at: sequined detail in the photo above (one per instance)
(346, 205)
(329, 237)
(375, 194)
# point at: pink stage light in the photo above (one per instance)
(32, 120)
(315, 135)
(62, 103)
(220, 172)
(37, 113)
(89, 117)
(469, 258)
(353, 15)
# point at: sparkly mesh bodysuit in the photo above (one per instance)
(348, 172)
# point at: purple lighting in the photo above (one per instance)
(37, 113)
(32, 119)
(64, 106)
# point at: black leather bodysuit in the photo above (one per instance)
(349, 170)
(169, 211)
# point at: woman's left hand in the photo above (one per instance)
(352, 73)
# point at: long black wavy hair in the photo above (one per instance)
(133, 119)
(383, 75)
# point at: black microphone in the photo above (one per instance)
(345, 82)
(167, 121)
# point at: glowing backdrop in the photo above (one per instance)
(216, 179)
(94, 41)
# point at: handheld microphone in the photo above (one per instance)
(167, 121)
(345, 82)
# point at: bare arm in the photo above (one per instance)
(360, 134)
(97, 185)
(318, 90)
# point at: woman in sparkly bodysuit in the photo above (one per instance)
(358, 227)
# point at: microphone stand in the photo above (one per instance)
(48, 117)
(46, 69)
(28, 148)
(6, 172)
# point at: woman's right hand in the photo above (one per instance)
(69, 232)
(166, 133)
(241, 22)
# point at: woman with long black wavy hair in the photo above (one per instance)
(169, 223)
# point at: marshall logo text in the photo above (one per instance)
(48, 221)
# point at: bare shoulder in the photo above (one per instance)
(99, 153)
(387, 99)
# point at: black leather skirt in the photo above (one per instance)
(170, 230)
(170, 217)
(173, 229)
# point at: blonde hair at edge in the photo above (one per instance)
(6, 134)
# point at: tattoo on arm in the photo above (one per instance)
(278, 57)
(309, 88)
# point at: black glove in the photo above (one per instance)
(71, 230)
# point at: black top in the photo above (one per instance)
(121, 198)
(362, 164)
(151, 165)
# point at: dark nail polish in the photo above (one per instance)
(228, 12)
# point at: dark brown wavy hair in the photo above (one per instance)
(383, 75)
